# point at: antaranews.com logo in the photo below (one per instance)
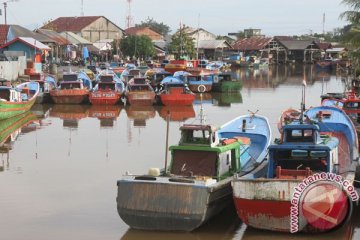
(321, 200)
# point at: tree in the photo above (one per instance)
(161, 28)
(351, 35)
(182, 45)
(137, 46)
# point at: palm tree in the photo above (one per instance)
(352, 36)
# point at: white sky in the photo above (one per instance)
(274, 17)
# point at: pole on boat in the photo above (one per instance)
(167, 140)
(303, 98)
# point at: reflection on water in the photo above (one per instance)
(10, 131)
(224, 227)
(177, 113)
(68, 190)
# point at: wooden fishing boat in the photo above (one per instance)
(324, 64)
(225, 83)
(139, 92)
(196, 185)
(288, 116)
(297, 194)
(108, 89)
(200, 83)
(18, 99)
(73, 89)
(173, 91)
(47, 83)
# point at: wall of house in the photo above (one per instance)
(11, 70)
(21, 47)
(203, 35)
(102, 28)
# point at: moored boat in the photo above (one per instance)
(195, 186)
(108, 89)
(139, 92)
(18, 99)
(302, 190)
(224, 83)
(73, 89)
(173, 91)
(47, 83)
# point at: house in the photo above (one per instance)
(212, 49)
(251, 33)
(30, 47)
(11, 32)
(92, 28)
(144, 31)
(251, 46)
(59, 47)
(302, 51)
(199, 34)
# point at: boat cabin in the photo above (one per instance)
(201, 153)
(139, 85)
(301, 152)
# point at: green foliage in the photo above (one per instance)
(161, 28)
(137, 46)
(351, 33)
(182, 45)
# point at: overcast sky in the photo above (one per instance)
(274, 17)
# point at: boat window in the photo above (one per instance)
(70, 77)
(352, 105)
(299, 135)
(300, 159)
(194, 163)
(5, 94)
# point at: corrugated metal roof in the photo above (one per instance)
(28, 41)
(212, 44)
(73, 24)
(251, 43)
(75, 39)
(18, 31)
(296, 44)
(57, 37)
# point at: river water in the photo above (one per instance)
(58, 176)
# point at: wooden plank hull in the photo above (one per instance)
(141, 98)
(195, 87)
(166, 206)
(69, 96)
(104, 97)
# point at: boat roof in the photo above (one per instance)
(171, 80)
(300, 126)
(210, 128)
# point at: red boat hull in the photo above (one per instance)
(104, 98)
(69, 96)
(177, 99)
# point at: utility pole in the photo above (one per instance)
(82, 8)
(5, 6)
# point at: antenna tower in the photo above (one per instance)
(82, 8)
(129, 18)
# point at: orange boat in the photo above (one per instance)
(140, 92)
(173, 91)
(73, 89)
(107, 91)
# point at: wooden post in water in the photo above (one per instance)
(167, 139)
